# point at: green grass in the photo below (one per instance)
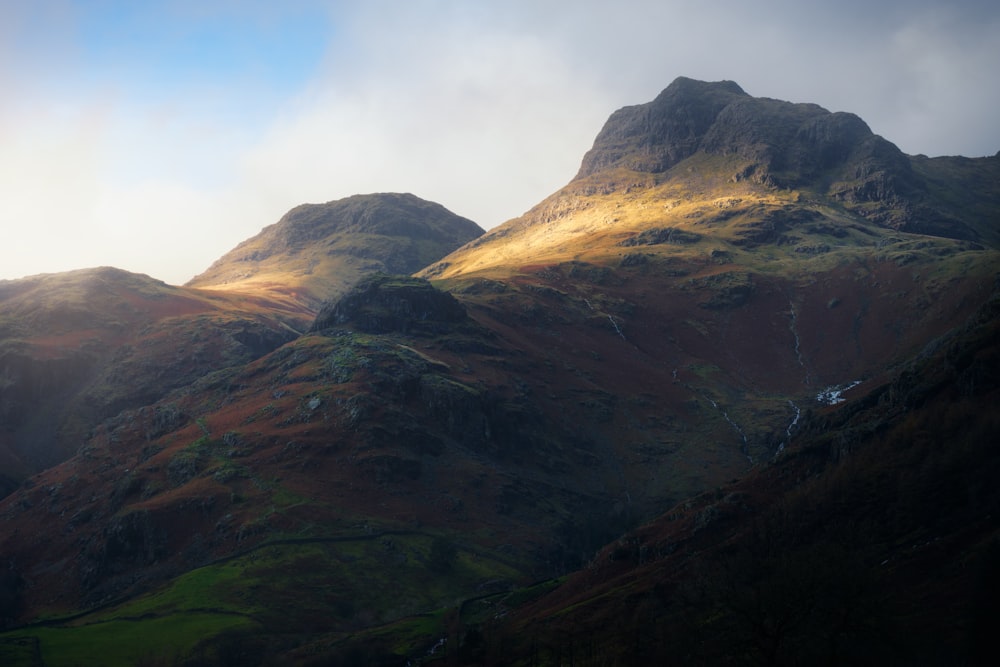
(122, 642)
(212, 587)
(386, 583)
(411, 635)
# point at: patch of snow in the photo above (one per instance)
(834, 395)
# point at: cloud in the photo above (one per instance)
(484, 120)
(119, 165)
(486, 108)
(943, 100)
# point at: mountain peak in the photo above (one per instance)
(318, 250)
(385, 214)
(655, 136)
(782, 143)
(710, 160)
(778, 145)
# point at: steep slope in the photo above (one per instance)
(716, 275)
(874, 539)
(399, 467)
(316, 251)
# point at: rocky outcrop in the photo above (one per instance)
(780, 142)
(661, 235)
(777, 144)
(384, 304)
(654, 137)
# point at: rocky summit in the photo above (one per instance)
(778, 143)
(724, 398)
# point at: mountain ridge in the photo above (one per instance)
(639, 341)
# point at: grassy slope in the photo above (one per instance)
(613, 380)
(634, 382)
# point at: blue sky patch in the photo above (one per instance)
(164, 45)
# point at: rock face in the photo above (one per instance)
(654, 137)
(385, 304)
(786, 143)
(774, 143)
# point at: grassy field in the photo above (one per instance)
(393, 589)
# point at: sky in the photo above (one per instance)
(155, 136)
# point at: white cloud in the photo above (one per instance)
(484, 107)
(483, 119)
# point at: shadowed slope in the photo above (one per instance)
(78, 347)
(873, 539)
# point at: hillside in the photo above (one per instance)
(725, 297)
(873, 539)
(316, 251)
(709, 160)
(80, 347)
(77, 348)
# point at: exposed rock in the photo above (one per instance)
(133, 537)
(655, 136)
(779, 145)
(383, 304)
(771, 227)
(661, 235)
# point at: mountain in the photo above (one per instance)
(316, 251)
(752, 171)
(732, 294)
(80, 347)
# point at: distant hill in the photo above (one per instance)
(316, 251)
